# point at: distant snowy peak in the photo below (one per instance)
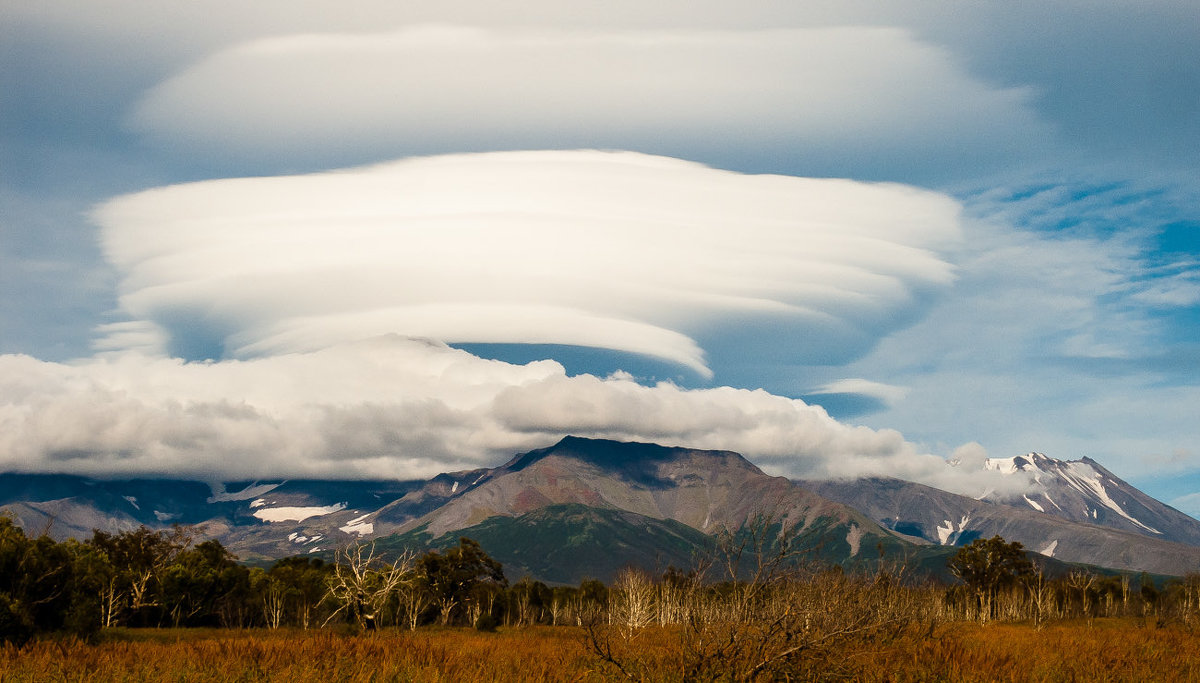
(1030, 462)
(1084, 491)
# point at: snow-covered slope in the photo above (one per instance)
(1084, 491)
(950, 519)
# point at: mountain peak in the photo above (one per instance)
(1030, 462)
(1084, 491)
(635, 460)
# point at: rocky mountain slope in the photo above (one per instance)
(587, 507)
(258, 520)
(678, 498)
(949, 519)
(705, 490)
(608, 487)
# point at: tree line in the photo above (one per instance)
(757, 581)
(156, 578)
(1000, 581)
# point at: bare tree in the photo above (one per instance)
(112, 601)
(274, 602)
(633, 599)
(1041, 594)
(1082, 582)
(758, 610)
(362, 582)
(414, 596)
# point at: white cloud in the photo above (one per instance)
(863, 92)
(612, 250)
(1176, 290)
(141, 335)
(390, 407)
(1189, 504)
(887, 393)
(1046, 343)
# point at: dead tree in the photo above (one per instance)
(362, 582)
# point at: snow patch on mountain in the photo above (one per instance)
(1002, 465)
(1087, 480)
(219, 495)
(360, 527)
(296, 514)
(1048, 551)
(944, 532)
(1033, 504)
(132, 501)
(948, 534)
(854, 538)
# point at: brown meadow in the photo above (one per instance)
(752, 613)
(1074, 650)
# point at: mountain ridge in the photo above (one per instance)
(703, 490)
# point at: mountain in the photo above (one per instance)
(256, 520)
(1083, 491)
(1083, 526)
(587, 507)
(67, 506)
(673, 496)
(705, 490)
(614, 503)
(567, 543)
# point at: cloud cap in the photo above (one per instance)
(616, 250)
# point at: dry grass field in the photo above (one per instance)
(1084, 650)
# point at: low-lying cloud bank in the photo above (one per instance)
(402, 408)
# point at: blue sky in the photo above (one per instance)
(278, 240)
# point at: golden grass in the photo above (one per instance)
(541, 654)
(1098, 650)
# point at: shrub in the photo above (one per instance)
(487, 623)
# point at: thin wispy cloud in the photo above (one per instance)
(1072, 346)
(863, 93)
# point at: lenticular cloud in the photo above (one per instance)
(326, 302)
(613, 250)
